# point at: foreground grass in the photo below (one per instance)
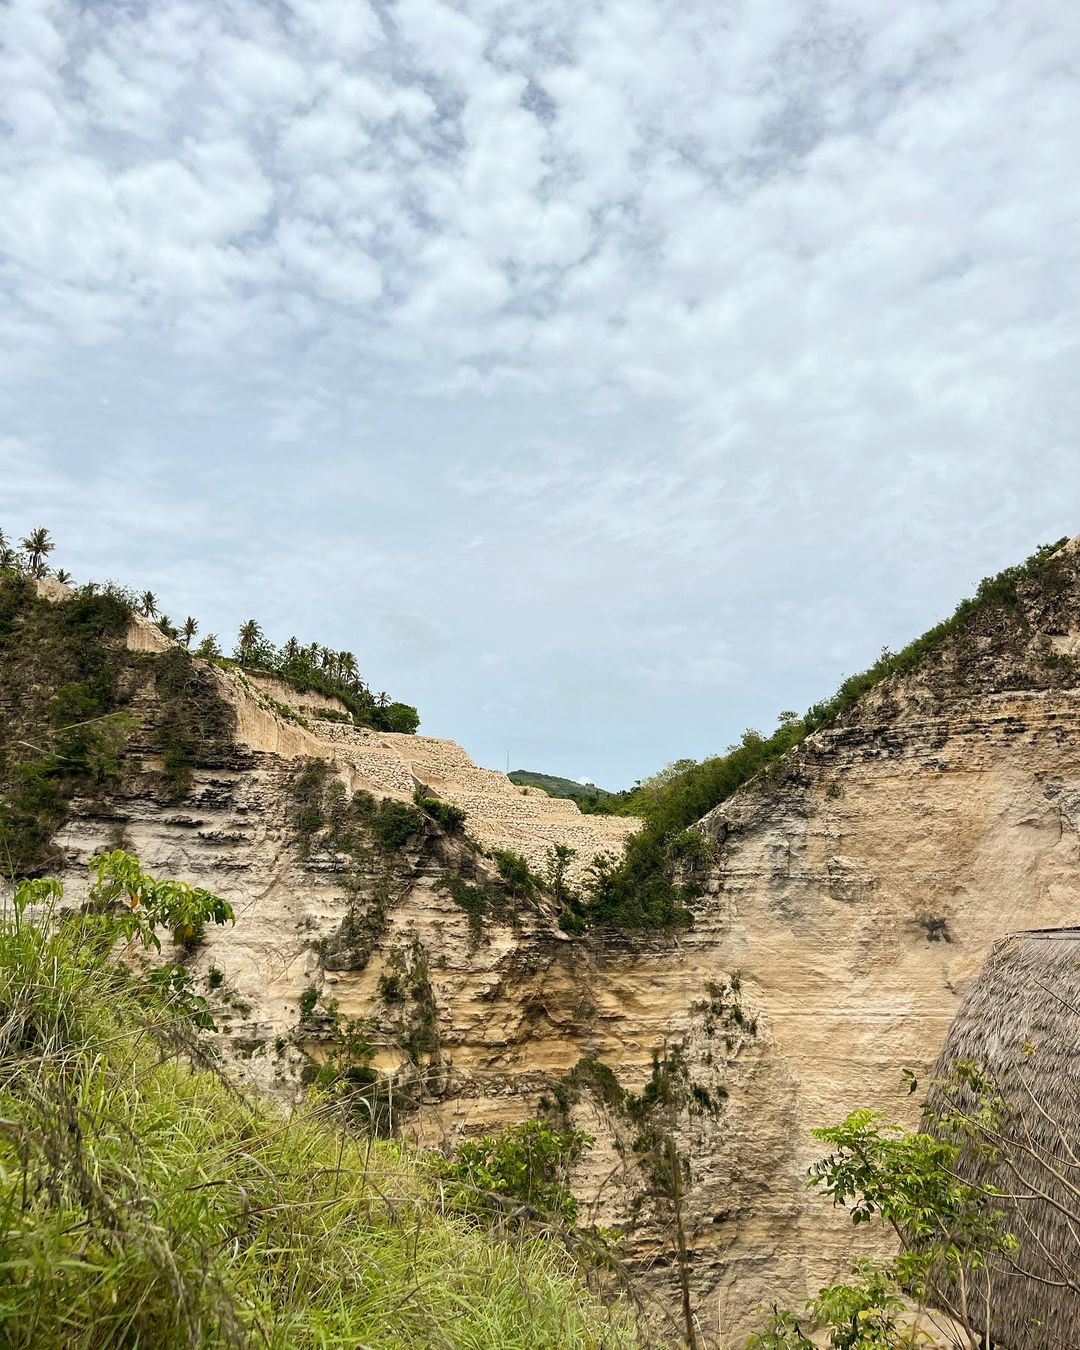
(144, 1202)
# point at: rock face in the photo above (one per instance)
(855, 893)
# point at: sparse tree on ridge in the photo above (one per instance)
(248, 639)
(38, 545)
(64, 578)
(209, 647)
(190, 628)
(148, 605)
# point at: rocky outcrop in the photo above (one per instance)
(856, 891)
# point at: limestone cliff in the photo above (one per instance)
(855, 891)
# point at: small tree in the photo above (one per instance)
(248, 640)
(950, 1232)
(190, 628)
(147, 606)
(558, 862)
(37, 546)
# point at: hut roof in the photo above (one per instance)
(1020, 1022)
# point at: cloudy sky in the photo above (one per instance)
(608, 374)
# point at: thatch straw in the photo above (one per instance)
(1020, 1022)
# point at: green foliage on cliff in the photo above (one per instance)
(523, 1170)
(313, 668)
(147, 1203)
(62, 719)
(68, 700)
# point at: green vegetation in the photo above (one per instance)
(481, 903)
(354, 824)
(657, 881)
(405, 987)
(450, 817)
(194, 725)
(522, 1172)
(953, 1233)
(587, 795)
(313, 668)
(29, 559)
(62, 721)
(69, 688)
(147, 1203)
(515, 871)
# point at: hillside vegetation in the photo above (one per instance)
(654, 884)
(555, 786)
(146, 1203)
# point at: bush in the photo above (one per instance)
(446, 814)
(526, 1163)
(395, 823)
(515, 871)
(62, 708)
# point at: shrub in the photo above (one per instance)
(515, 871)
(525, 1163)
(395, 823)
(446, 814)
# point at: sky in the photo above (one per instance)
(608, 375)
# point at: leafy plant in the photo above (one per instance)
(525, 1165)
(138, 905)
(446, 814)
(950, 1231)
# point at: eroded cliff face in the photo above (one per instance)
(854, 894)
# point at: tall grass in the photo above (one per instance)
(145, 1202)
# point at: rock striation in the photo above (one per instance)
(854, 893)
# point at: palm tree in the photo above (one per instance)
(148, 605)
(248, 639)
(348, 667)
(290, 652)
(63, 577)
(38, 546)
(167, 627)
(8, 557)
(191, 627)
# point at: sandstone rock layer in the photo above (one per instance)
(856, 891)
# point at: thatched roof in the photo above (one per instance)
(1020, 1022)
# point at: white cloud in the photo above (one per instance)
(681, 308)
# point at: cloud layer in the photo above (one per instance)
(610, 375)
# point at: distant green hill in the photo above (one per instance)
(558, 787)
